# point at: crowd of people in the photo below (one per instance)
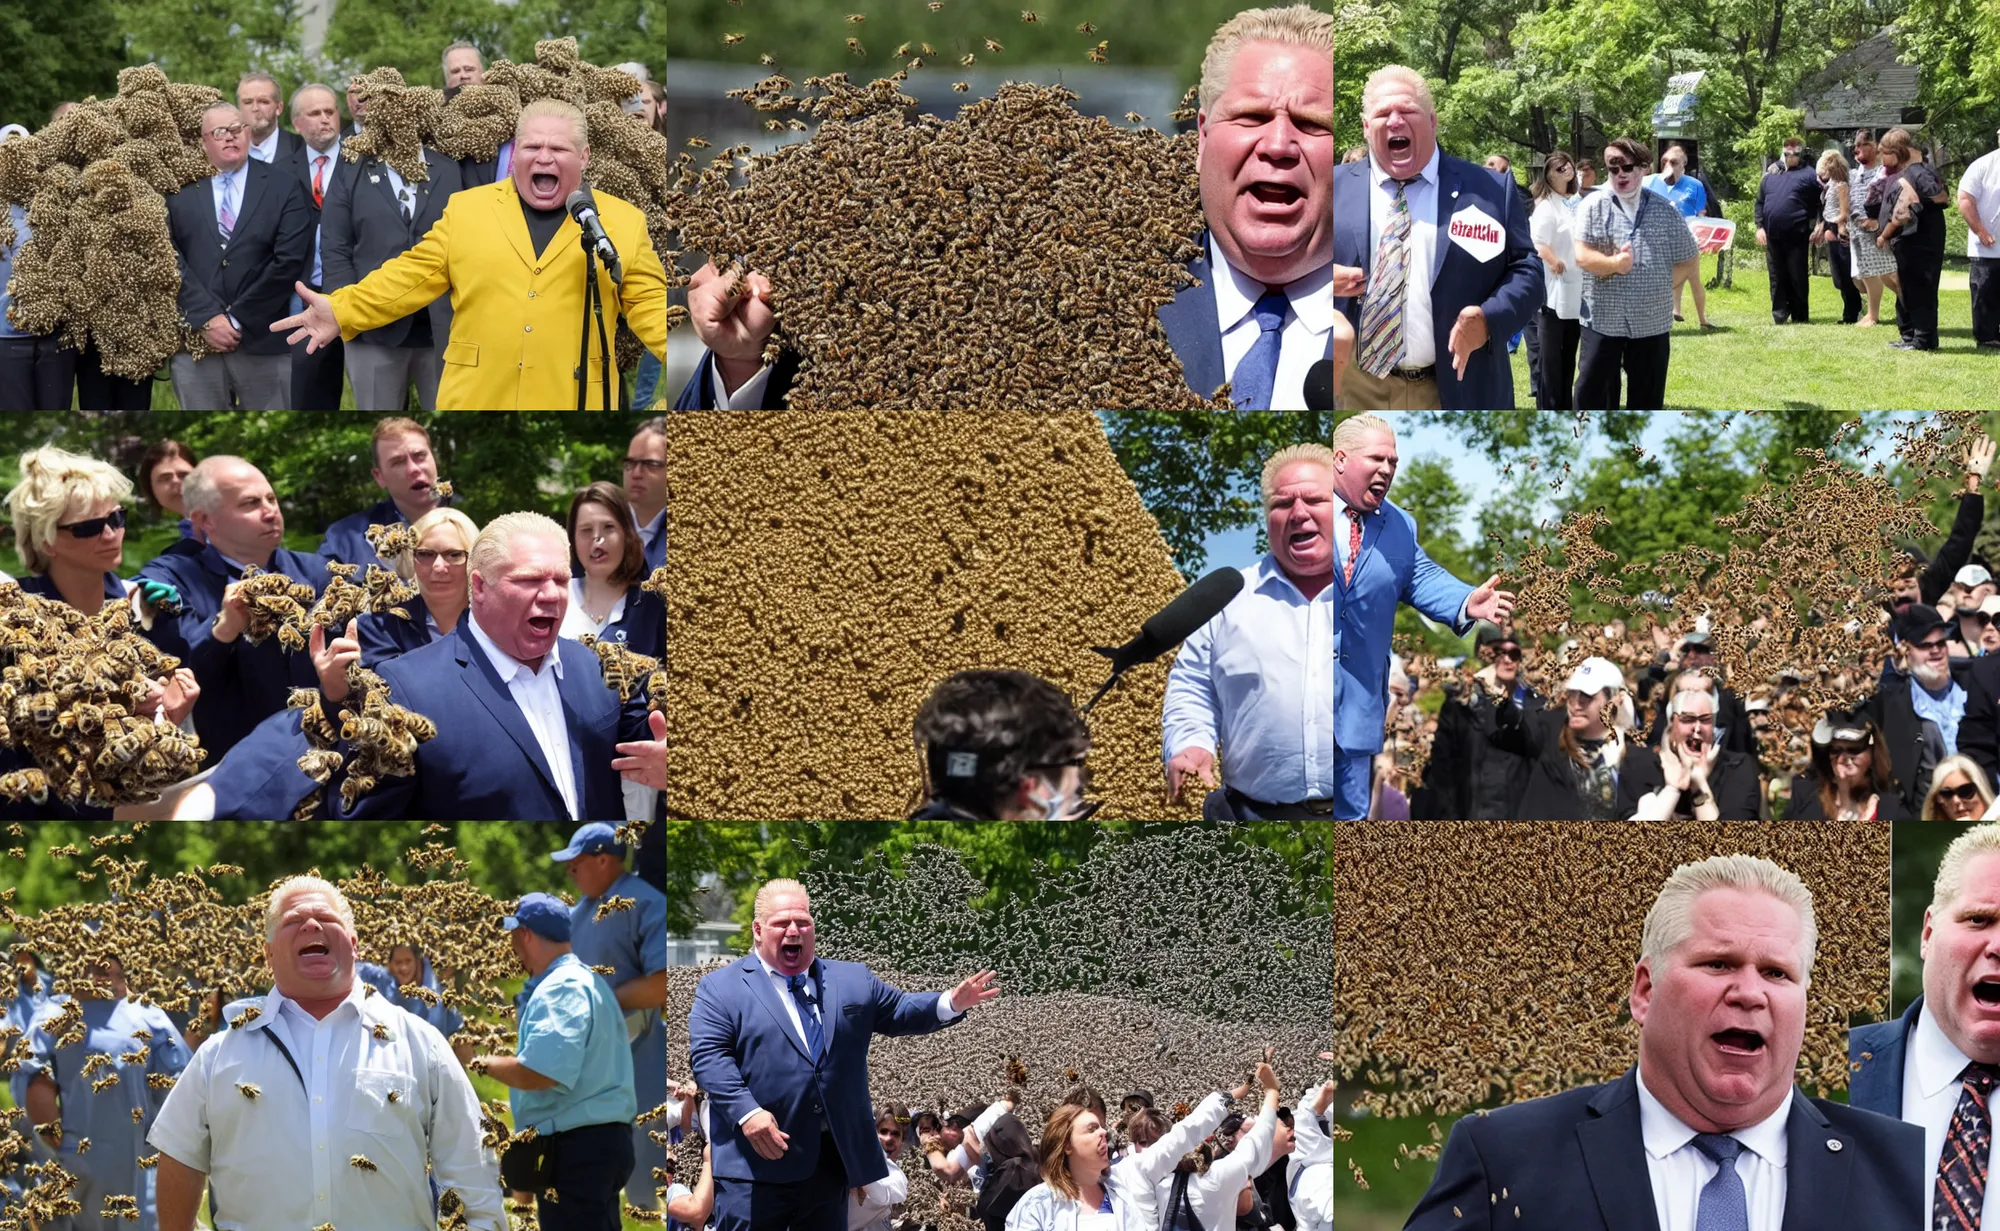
(160, 1103)
(488, 648)
(764, 1032)
(1592, 276)
(286, 221)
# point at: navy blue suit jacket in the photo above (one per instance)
(384, 636)
(746, 1056)
(1875, 1062)
(1576, 1161)
(241, 684)
(260, 779)
(250, 274)
(485, 764)
(656, 552)
(643, 626)
(347, 539)
(1508, 285)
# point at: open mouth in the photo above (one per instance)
(1739, 1042)
(791, 953)
(1269, 193)
(313, 950)
(544, 185)
(1987, 992)
(542, 626)
(1399, 145)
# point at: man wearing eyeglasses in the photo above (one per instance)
(1788, 208)
(646, 487)
(1629, 244)
(407, 470)
(242, 237)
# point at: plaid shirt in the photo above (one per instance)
(1639, 304)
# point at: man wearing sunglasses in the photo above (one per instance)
(1920, 713)
(405, 468)
(1467, 777)
(1629, 244)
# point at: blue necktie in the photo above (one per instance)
(802, 992)
(1256, 372)
(1724, 1206)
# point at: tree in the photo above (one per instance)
(58, 51)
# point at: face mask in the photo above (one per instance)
(1059, 806)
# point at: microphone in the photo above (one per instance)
(1319, 386)
(1172, 624)
(582, 206)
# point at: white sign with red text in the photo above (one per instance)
(1712, 234)
(1476, 231)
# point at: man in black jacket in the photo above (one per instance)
(242, 236)
(1467, 778)
(1788, 208)
(316, 378)
(1915, 742)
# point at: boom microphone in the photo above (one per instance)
(582, 206)
(1319, 386)
(1172, 624)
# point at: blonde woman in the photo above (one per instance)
(1833, 234)
(438, 567)
(1959, 791)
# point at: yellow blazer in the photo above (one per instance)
(516, 315)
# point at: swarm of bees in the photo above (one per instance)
(278, 605)
(342, 600)
(625, 670)
(1020, 259)
(971, 572)
(381, 737)
(71, 691)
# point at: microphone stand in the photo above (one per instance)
(593, 306)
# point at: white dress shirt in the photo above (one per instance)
(1213, 1193)
(577, 621)
(228, 187)
(1982, 183)
(648, 531)
(1931, 1085)
(266, 150)
(878, 1200)
(1257, 683)
(1419, 340)
(282, 1158)
(540, 699)
(1679, 1170)
(1301, 340)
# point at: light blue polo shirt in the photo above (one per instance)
(573, 1033)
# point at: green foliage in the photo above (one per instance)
(1762, 141)
(58, 50)
(369, 33)
(1913, 863)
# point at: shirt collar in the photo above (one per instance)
(548, 970)
(313, 155)
(1664, 1132)
(772, 971)
(1236, 293)
(659, 522)
(276, 1003)
(506, 664)
(268, 144)
(1428, 175)
(1939, 1063)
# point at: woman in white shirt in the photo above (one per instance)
(607, 563)
(870, 1205)
(1213, 1194)
(1553, 228)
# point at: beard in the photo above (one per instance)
(1931, 676)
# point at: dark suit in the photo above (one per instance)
(347, 539)
(365, 230)
(485, 764)
(1732, 780)
(250, 277)
(1577, 1162)
(1979, 726)
(1875, 1062)
(260, 778)
(316, 378)
(642, 627)
(384, 636)
(475, 172)
(1507, 285)
(747, 1055)
(241, 684)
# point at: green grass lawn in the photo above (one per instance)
(1750, 364)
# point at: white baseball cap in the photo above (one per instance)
(1593, 675)
(1972, 575)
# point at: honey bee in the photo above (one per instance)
(698, 143)
(936, 6)
(967, 59)
(606, 971)
(1017, 1073)
(902, 51)
(730, 40)
(360, 1162)
(147, 1161)
(855, 19)
(250, 1090)
(381, 1030)
(395, 1096)
(248, 1015)
(993, 46)
(1134, 117)
(961, 86)
(138, 1114)
(854, 45)
(766, 59)
(1030, 16)
(1098, 54)
(160, 1081)
(1086, 28)
(103, 1083)
(83, 1145)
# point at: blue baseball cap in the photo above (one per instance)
(540, 913)
(592, 839)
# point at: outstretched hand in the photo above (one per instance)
(317, 325)
(1490, 603)
(975, 990)
(645, 761)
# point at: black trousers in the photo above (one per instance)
(1918, 271)
(1841, 257)
(590, 1166)
(97, 391)
(1600, 359)
(1986, 300)
(1558, 361)
(816, 1203)
(1531, 335)
(1789, 259)
(35, 374)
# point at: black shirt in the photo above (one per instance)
(542, 224)
(1788, 201)
(1925, 230)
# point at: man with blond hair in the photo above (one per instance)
(511, 258)
(527, 728)
(1259, 313)
(269, 1114)
(1936, 1066)
(1259, 683)
(1433, 263)
(779, 1042)
(1705, 1132)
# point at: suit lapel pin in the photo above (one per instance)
(374, 179)
(1454, 194)
(1833, 1143)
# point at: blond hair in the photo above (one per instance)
(1832, 165)
(1959, 764)
(1397, 72)
(1671, 920)
(1317, 454)
(1299, 25)
(291, 888)
(1350, 432)
(54, 481)
(545, 108)
(468, 532)
(1974, 842)
(493, 546)
(760, 909)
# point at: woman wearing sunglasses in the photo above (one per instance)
(1959, 791)
(1849, 779)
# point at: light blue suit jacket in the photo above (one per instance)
(1392, 569)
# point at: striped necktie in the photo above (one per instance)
(1382, 315)
(1968, 1143)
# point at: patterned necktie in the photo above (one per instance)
(1353, 545)
(319, 182)
(1968, 1143)
(1257, 371)
(1382, 314)
(802, 993)
(1724, 1206)
(226, 220)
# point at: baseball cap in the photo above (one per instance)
(1841, 725)
(540, 913)
(1917, 622)
(1972, 575)
(594, 838)
(1990, 604)
(1493, 634)
(1593, 675)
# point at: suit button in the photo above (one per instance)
(531, 294)
(527, 329)
(225, 264)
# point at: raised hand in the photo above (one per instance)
(975, 990)
(1490, 603)
(317, 325)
